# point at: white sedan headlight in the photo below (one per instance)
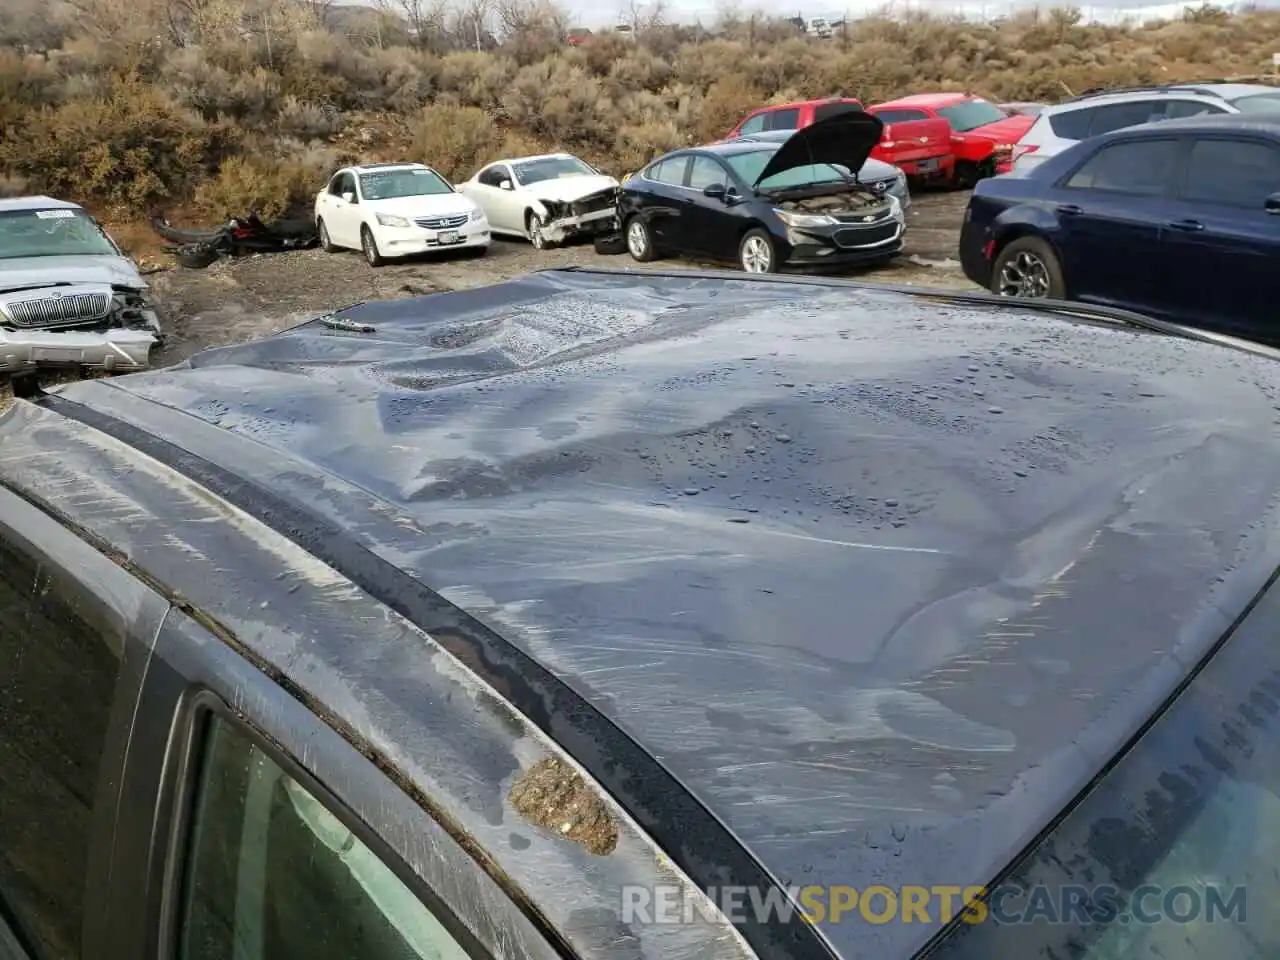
(388, 220)
(803, 219)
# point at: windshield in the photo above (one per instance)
(550, 168)
(52, 233)
(391, 184)
(1258, 103)
(971, 114)
(749, 166)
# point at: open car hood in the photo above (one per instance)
(846, 139)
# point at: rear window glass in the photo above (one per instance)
(784, 119)
(834, 110)
(1258, 103)
(1072, 125)
(901, 116)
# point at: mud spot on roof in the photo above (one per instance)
(554, 796)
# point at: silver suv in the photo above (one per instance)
(1064, 124)
(68, 294)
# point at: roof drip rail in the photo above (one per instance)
(1165, 88)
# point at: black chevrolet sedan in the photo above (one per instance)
(767, 206)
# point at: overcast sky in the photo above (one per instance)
(598, 13)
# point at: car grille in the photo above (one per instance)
(865, 236)
(59, 310)
(441, 223)
(862, 217)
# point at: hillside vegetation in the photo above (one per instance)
(227, 104)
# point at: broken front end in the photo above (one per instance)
(97, 325)
(586, 216)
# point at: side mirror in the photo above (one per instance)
(1272, 203)
(349, 197)
(716, 191)
(505, 185)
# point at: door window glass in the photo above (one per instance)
(58, 674)
(340, 184)
(753, 125)
(784, 119)
(1236, 173)
(491, 177)
(1141, 167)
(1173, 855)
(669, 171)
(271, 874)
(1177, 109)
(705, 172)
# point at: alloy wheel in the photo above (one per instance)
(756, 255)
(1024, 275)
(637, 239)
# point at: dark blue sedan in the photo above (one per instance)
(1177, 220)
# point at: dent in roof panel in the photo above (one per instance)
(883, 581)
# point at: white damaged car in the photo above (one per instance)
(69, 296)
(547, 199)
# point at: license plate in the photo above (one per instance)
(448, 236)
(930, 164)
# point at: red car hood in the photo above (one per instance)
(1008, 130)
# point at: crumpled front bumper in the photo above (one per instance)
(117, 350)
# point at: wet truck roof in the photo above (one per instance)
(884, 580)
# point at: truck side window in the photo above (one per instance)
(272, 874)
(753, 125)
(58, 673)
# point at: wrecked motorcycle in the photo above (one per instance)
(237, 237)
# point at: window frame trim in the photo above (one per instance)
(199, 711)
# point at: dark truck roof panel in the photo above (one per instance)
(883, 580)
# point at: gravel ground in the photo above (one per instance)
(233, 301)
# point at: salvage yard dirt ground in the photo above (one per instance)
(234, 301)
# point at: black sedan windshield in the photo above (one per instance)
(748, 166)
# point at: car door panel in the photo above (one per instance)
(76, 634)
(345, 228)
(510, 204)
(710, 223)
(1222, 246)
(1110, 213)
(663, 203)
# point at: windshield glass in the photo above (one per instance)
(550, 168)
(971, 114)
(391, 184)
(1258, 103)
(52, 233)
(748, 166)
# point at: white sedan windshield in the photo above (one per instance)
(52, 233)
(550, 168)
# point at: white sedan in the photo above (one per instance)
(546, 199)
(397, 209)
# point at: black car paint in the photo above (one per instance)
(642, 349)
(1132, 251)
(711, 223)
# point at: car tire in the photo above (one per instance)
(326, 244)
(1028, 268)
(533, 226)
(640, 241)
(757, 253)
(369, 245)
(610, 244)
(196, 256)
